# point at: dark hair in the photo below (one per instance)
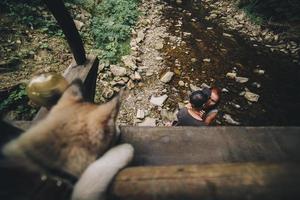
(198, 99)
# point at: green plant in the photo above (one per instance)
(111, 27)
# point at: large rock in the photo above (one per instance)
(129, 61)
(118, 71)
(167, 77)
(148, 122)
(158, 101)
(250, 96)
(229, 120)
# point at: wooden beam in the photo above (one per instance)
(59, 11)
(221, 181)
(87, 73)
(208, 145)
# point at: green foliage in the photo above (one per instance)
(17, 100)
(32, 14)
(111, 27)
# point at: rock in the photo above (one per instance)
(229, 120)
(118, 71)
(78, 24)
(137, 76)
(167, 77)
(159, 45)
(193, 60)
(225, 90)
(206, 60)
(158, 101)
(227, 35)
(149, 73)
(251, 96)
(181, 83)
(129, 61)
(148, 122)
(240, 79)
(231, 75)
(259, 71)
(108, 93)
(101, 67)
(194, 87)
(158, 58)
(167, 115)
(140, 36)
(179, 1)
(140, 114)
(213, 16)
(186, 34)
(255, 84)
(204, 85)
(130, 85)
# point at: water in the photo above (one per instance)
(279, 102)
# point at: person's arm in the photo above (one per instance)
(210, 118)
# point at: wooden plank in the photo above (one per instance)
(67, 25)
(86, 72)
(208, 145)
(220, 181)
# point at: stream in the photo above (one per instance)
(206, 55)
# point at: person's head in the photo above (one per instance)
(198, 99)
(214, 95)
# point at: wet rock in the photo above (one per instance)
(148, 122)
(118, 71)
(158, 101)
(256, 85)
(229, 120)
(259, 71)
(167, 77)
(194, 87)
(181, 83)
(193, 60)
(129, 61)
(240, 79)
(140, 114)
(250, 96)
(227, 35)
(231, 75)
(206, 60)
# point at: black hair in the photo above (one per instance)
(198, 99)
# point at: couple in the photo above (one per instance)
(202, 109)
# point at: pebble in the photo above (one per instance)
(140, 114)
(206, 60)
(181, 83)
(229, 120)
(158, 101)
(250, 96)
(240, 79)
(167, 77)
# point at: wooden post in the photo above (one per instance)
(66, 23)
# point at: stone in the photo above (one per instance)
(227, 35)
(140, 36)
(101, 67)
(213, 16)
(140, 114)
(158, 101)
(159, 45)
(118, 71)
(194, 87)
(158, 58)
(206, 60)
(108, 93)
(259, 71)
(225, 90)
(129, 61)
(229, 120)
(167, 77)
(231, 75)
(256, 85)
(130, 84)
(240, 79)
(137, 76)
(148, 122)
(181, 83)
(78, 24)
(193, 60)
(204, 85)
(250, 96)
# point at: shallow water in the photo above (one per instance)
(279, 102)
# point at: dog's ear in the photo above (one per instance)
(73, 93)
